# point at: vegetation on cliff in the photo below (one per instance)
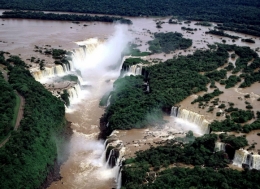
(7, 107)
(31, 150)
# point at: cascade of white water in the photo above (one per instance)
(107, 124)
(70, 65)
(64, 67)
(135, 69)
(37, 75)
(105, 143)
(255, 162)
(119, 180)
(48, 71)
(174, 111)
(240, 157)
(138, 70)
(59, 70)
(103, 156)
(108, 100)
(78, 89)
(194, 118)
(110, 153)
(148, 88)
(80, 79)
(72, 94)
(119, 165)
(220, 146)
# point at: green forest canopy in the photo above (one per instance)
(208, 172)
(167, 42)
(7, 105)
(31, 150)
(238, 11)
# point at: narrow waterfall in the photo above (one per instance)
(109, 158)
(103, 156)
(174, 111)
(59, 70)
(256, 162)
(148, 88)
(74, 92)
(78, 89)
(80, 80)
(65, 68)
(108, 100)
(191, 117)
(135, 69)
(119, 180)
(220, 146)
(37, 75)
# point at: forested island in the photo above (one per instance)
(62, 17)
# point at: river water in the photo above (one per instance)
(85, 167)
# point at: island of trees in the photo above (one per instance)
(63, 17)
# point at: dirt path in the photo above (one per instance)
(20, 112)
(3, 143)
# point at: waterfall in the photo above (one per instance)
(74, 92)
(148, 88)
(240, 157)
(70, 65)
(107, 124)
(255, 162)
(103, 156)
(37, 75)
(220, 146)
(191, 117)
(78, 89)
(59, 70)
(49, 71)
(174, 111)
(119, 180)
(66, 67)
(135, 69)
(108, 100)
(109, 157)
(246, 158)
(80, 80)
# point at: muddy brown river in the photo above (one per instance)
(86, 167)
